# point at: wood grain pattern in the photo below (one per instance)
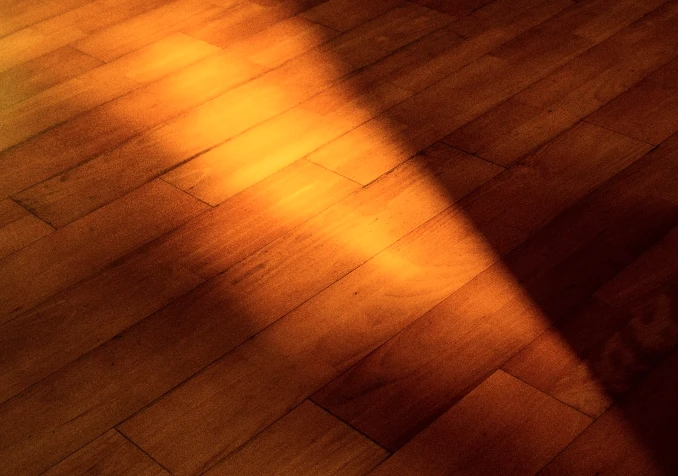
(292, 236)
(97, 86)
(32, 77)
(586, 349)
(18, 15)
(648, 111)
(86, 315)
(634, 437)
(502, 427)
(244, 160)
(306, 441)
(110, 454)
(74, 252)
(455, 100)
(36, 40)
(490, 309)
(149, 27)
(342, 15)
(123, 169)
(18, 228)
(342, 323)
(561, 99)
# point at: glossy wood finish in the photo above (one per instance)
(338, 237)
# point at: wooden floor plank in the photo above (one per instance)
(270, 284)
(648, 111)
(86, 315)
(274, 144)
(282, 42)
(109, 455)
(18, 228)
(449, 104)
(342, 15)
(493, 308)
(210, 245)
(306, 441)
(141, 30)
(469, 313)
(558, 101)
(18, 15)
(119, 296)
(97, 86)
(32, 77)
(99, 14)
(636, 436)
(208, 337)
(452, 102)
(107, 177)
(241, 20)
(110, 124)
(458, 8)
(60, 199)
(342, 323)
(498, 22)
(502, 427)
(584, 352)
(73, 253)
(202, 338)
(35, 41)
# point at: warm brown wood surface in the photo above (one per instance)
(310, 237)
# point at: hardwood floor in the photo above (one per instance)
(313, 237)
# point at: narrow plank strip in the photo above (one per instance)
(502, 427)
(631, 289)
(274, 144)
(73, 253)
(648, 111)
(77, 95)
(495, 24)
(591, 370)
(99, 14)
(558, 101)
(241, 20)
(37, 40)
(636, 436)
(86, 315)
(282, 42)
(342, 15)
(115, 380)
(109, 455)
(465, 95)
(18, 228)
(306, 441)
(149, 27)
(264, 212)
(104, 127)
(337, 327)
(424, 118)
(218, 120)
(32, 77)
(18, 15)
